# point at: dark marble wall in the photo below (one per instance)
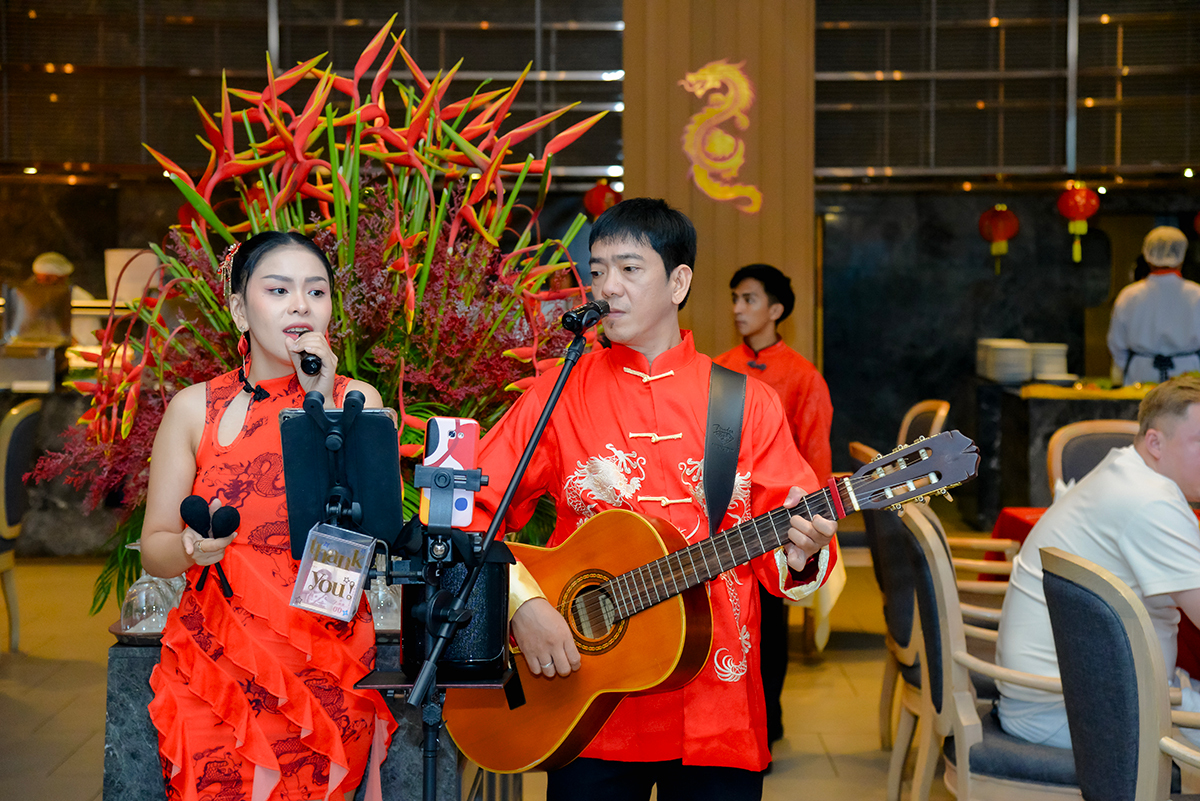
(909, 285)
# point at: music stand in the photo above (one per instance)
(341, 466)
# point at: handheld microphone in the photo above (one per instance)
(581, 318)
(310, 364)
(222, 523)
(194, 511)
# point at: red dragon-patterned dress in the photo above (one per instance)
(253, 698)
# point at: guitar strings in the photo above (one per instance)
(592, 599)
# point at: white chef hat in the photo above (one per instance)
(1164, 246)
(52, 263)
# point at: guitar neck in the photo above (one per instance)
(703, 561)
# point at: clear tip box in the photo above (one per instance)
(333, 571)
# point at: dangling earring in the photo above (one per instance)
(256, 392)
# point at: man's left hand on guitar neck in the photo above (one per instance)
(805, 539)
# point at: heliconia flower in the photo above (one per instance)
(368, 55)
(522, 354)
(412, 451)
(416, 126)
(521, 385)
(547, 364)
(413, 421)
(571, 134)
(444, 84)
(523, 132)
(452, 111)
(410, 304)
(87, 356)
(417, 74)
(84, 387)
(468, 214)
(484, 184)
(371, 112)
(131, 405)
(502, 111)
(278, 84)
(226, 118)
(170, 166)
(317, 193)
(384, 70)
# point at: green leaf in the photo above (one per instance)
(202, 208)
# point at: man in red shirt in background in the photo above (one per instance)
(763, 298)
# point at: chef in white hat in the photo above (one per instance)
(54, 268)
(1155, 329)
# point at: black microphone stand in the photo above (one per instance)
(425, 692)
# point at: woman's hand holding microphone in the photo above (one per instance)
(315, 364)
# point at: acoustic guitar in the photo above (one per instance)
(632, 590)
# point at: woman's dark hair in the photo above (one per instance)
(649, 221)
(256, 247)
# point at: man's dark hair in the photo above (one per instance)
(777, 285)
(649, 221)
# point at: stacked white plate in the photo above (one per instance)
(1006, 361)
(1049, 358)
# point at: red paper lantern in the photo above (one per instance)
(600, 198)
(1077, 204)
(998, 225)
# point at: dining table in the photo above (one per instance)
(1015, 523)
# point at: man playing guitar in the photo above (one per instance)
(629, 433)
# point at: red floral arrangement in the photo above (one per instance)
(406, 193)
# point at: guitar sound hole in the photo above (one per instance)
(593, 614)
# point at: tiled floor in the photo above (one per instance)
(52, 697)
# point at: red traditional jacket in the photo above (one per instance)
(626, 437)
(802, 390)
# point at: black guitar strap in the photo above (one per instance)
(722, 441)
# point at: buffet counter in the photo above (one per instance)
(1014, 425)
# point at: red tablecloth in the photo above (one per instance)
(1015, 523)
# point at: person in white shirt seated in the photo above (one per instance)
(1154, 333)
(1130, 515)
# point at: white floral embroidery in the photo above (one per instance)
(723, 664)
(692, 475)
(609, 480)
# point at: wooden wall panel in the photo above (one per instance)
(665, 40)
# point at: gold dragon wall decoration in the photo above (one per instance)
(716, 154)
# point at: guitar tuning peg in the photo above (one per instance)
(876, 457)
(946, 495)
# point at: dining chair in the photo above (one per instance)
(983, 762)
(923, 419)
(1112, 669)
(1075, 449)
(903, 700)
(17, 442)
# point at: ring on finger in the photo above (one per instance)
(200, 546)
(548, 665)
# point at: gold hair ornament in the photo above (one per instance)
(225, 271)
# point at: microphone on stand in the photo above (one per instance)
(581, 318)
(222, 523)
(310, 364)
